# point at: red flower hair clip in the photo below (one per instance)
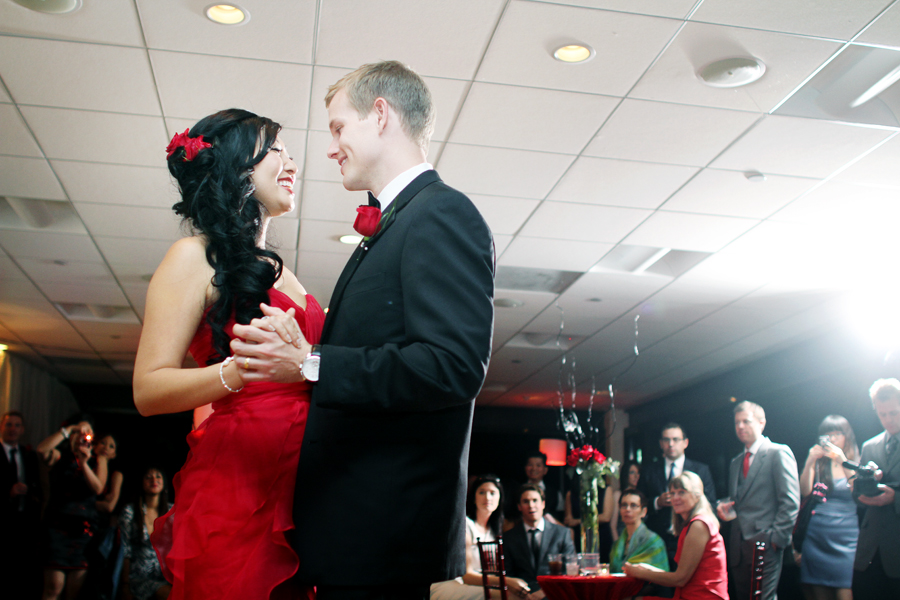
(191, 145)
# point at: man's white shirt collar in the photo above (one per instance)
(679, 465)
(8, 448)
(399, 182)
(539, 525)
(755, 447)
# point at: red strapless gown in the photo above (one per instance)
(225, 536)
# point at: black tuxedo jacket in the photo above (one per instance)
(381, 483)
(520, 558)
(10, 506)
(654, 482)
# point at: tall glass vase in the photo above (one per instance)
(590, 525)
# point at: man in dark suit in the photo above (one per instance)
(876, 570)
(380, 497)
(654, 482)
(527, 545)
(765, 492)
(20, 509)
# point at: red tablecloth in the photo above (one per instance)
(608, 587)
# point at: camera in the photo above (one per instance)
(824, 441)
(865, 484)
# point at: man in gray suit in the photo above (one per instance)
(876, 570)
(765, 492)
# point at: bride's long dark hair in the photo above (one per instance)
(217, 199)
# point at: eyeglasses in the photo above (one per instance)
(666, 440)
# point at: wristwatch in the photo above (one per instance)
(309, 368)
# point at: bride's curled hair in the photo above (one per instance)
(217, 199)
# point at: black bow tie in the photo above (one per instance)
(373, 201)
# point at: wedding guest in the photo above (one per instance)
(702, 570)
(637, 544)
(142, 577)
(826, 558)
(76, 477)
(105, 555)
(629, 477)
(484, 520)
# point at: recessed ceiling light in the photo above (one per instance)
(3, 347)
(227, 14)
(573, 53)
(755, 176)
(508, 303)
(53, 7)
(350, 240)
(732, 72)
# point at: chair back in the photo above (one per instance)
(492, 563)
(756, 574)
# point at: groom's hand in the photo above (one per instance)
(271, 348)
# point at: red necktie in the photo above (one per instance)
(746, 463)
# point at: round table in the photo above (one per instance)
(600, 587)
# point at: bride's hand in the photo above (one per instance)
(280, 322)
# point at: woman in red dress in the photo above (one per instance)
(702, 570)
(225, 536)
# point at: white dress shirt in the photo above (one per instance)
(400, 182)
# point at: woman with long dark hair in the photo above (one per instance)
(826, 557)
(142, 578)
(484, 521)
(225, 538)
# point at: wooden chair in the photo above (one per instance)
(492, 563)
(756, 575)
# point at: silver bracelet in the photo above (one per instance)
(222, 366)
(64, 433)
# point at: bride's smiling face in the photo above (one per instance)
(274, 178)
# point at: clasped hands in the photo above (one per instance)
(270, 348)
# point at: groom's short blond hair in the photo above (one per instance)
(400, 86)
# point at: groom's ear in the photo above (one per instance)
(381, 108)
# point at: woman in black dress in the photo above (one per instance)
(71, 518)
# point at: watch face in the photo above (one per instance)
(310, 369)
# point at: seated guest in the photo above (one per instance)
(142, 578)
(702, 570)
(528, 544)
(637, 544)
(484, 518)
(629, 477)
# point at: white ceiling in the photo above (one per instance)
(568, 163)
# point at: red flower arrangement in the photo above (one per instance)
(585, 453)
(368, 220)
(191, 145)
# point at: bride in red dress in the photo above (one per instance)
(225, 536)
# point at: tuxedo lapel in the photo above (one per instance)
(399, 203)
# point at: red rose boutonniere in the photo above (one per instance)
(191, 145)
(368, 220)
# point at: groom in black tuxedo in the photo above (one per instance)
(380, 497)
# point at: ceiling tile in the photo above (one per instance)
(21, 292)
(282, 233)
(844, 206)
(620, 183)
(328, 201)
(28, 178)
(668, 133)
(673, 8)
(117, 184)
(192, 86)
(801, 147)
(530, 119)
(137, 295)
(563, 255)
(65, 75)
(323, 236)
(826, 18)
(318, 166)
(503, 215)
(567, 221)
(130, 221)
(274, 31)
(521, 51)
(789, 60)
(72, 272)
(501, 172)
(878, 168)
(87, 293)
(501, 242)
(8, 269)
(731, 194)
(53, 246)
(83, 135)
(15, 139)
(885, 31)
(514, 319)
(702, 233)
(451, 49)
(104, 22)
(320, 265)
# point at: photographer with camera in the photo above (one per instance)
(876, 570)
(827, 529)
